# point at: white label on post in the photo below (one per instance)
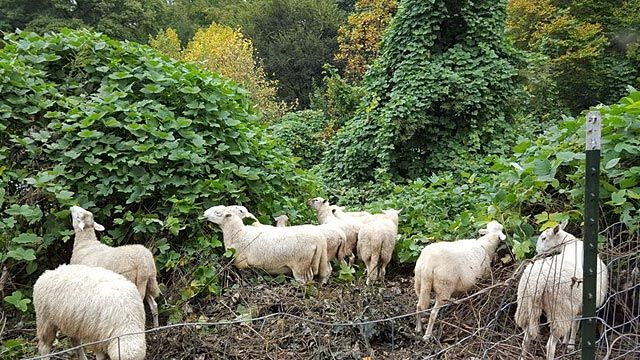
(594, 126)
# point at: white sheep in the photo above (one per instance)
(554, 285)
(282, 220)
(332, 233)
(325, 214)
(284, 250)
(134, 262)
(452, 267)
(90, 304)
(376, 240)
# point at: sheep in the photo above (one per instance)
(90, 304)
(376, 240)
(451, 267)
(276, 250)
(282, 221)
(350, 226)
(553, 285)
(333, 234)
(134, 262)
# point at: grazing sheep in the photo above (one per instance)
(276, 250)
(333, 234)
(376, 240)
(451, 267)
(90, 304)
(282, 221)
(554, 285)
(326, 215)
(134, 262)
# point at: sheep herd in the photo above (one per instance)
(100, 295)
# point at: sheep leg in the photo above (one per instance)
(101, 356)
(46, 333)
(80, 352)
(525, 345)
(432, 317)
(153, 306)
(570, 341)
(551, 346)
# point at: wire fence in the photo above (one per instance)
(287, 322)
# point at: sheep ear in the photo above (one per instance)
(97, 226)
(227, 215)
(556, 229)
(483, 231)
(325, 201)
(502, 236)
(399, 211)
(81, 225)
(564, 224)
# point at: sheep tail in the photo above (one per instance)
(375, 263)
(152, 287)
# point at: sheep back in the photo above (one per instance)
(134, 262)
(91, 304)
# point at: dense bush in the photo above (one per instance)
(305, 133)
(441, 87)
(541, 184)
(144, 141)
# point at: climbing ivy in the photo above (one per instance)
(441, 87)
(143, 141)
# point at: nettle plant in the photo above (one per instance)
(145, 142)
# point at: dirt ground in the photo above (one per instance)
(339, 321)
(342, 320)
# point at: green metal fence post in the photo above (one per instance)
(592, 176)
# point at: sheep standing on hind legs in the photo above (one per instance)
(451, 267)
(554, 285)
(90, 304)
(134, 262)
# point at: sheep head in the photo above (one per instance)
(493, 227)
(317, 203)
(82, 219)
(216, 214)
(282, 220)
(552, 239)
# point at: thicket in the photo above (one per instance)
(144, 141)
(442, 87)
(538, 186)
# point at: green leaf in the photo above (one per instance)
(26, 238)
(64, 195)
(20, 253)
(611, 163)
(18, 301)
(618, 198)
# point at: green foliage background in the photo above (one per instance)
(144, 141)
(434, 93)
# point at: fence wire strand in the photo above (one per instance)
(473, 326)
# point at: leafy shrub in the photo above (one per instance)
(144, 141)
(305, 133)
(440, 87)
(538, 186)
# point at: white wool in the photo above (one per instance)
(89, 304)
(452, 267)
(284, 250)
(554, 285)
(135, 262)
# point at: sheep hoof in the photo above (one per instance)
(427, 337)
(571, 347)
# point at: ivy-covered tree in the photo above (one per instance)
(359, 39)
(440, 88)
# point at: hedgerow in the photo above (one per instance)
(145, 142)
